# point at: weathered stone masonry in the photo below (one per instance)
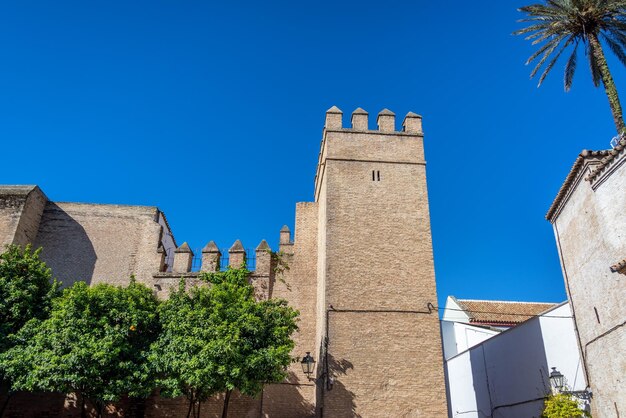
(361, 273)
(589, 221)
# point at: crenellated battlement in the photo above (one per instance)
(372, 147)
(386, 121)
(189, 265)
(212, 259)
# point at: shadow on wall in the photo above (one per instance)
(343, 400)
(40, 404)
(286, 399)
(510, 373)
(67, 249)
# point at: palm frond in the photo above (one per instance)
(613, 4)
(548, 46)
(570, 68)
(562, 7)
(616, 48)
(555, 25)
(548, 33)
(617, 36)
(615, 24)
(533, 36)
(554, 60)
(553, 45)
(532, 28)
(542, 10)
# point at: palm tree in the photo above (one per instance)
(560, 24)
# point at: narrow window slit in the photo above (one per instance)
(373, 178)
(378, 175)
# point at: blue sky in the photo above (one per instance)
(213, 111)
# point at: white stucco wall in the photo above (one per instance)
(453, 312)
(506, 376)
(590, 232)
(458, 337)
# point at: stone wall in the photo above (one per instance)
(298, 285)
(52, 405)
(99, 243)
(589, 221)
(21, 208)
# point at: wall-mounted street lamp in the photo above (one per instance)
(557, 381)
(308, 366)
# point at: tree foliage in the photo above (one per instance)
(26, 290)
(562, 406)
(95, 343)
(560, 24)
(218, 338)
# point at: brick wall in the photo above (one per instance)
(52, 405)
(384, 347)
(21, 208)
(99, 243)
(298, 285)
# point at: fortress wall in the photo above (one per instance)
(298, 286)
(364, 247)
(54, 405)
(21, 208)
(99, 243)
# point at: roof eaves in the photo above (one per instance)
(571, 178)
(500, 323)
(607, 161)
(466, 310)
(619, 267)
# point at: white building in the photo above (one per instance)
(507, 375)
(467, 322)
(589, 220)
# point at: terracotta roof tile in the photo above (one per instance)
(494, 312)
(619, 267)
(610, 157)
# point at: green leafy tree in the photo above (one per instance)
(562, 406)
(95, 344)
(26, 292)
(218, 338)
(560, 24)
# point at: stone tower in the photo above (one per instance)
(380, 345)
